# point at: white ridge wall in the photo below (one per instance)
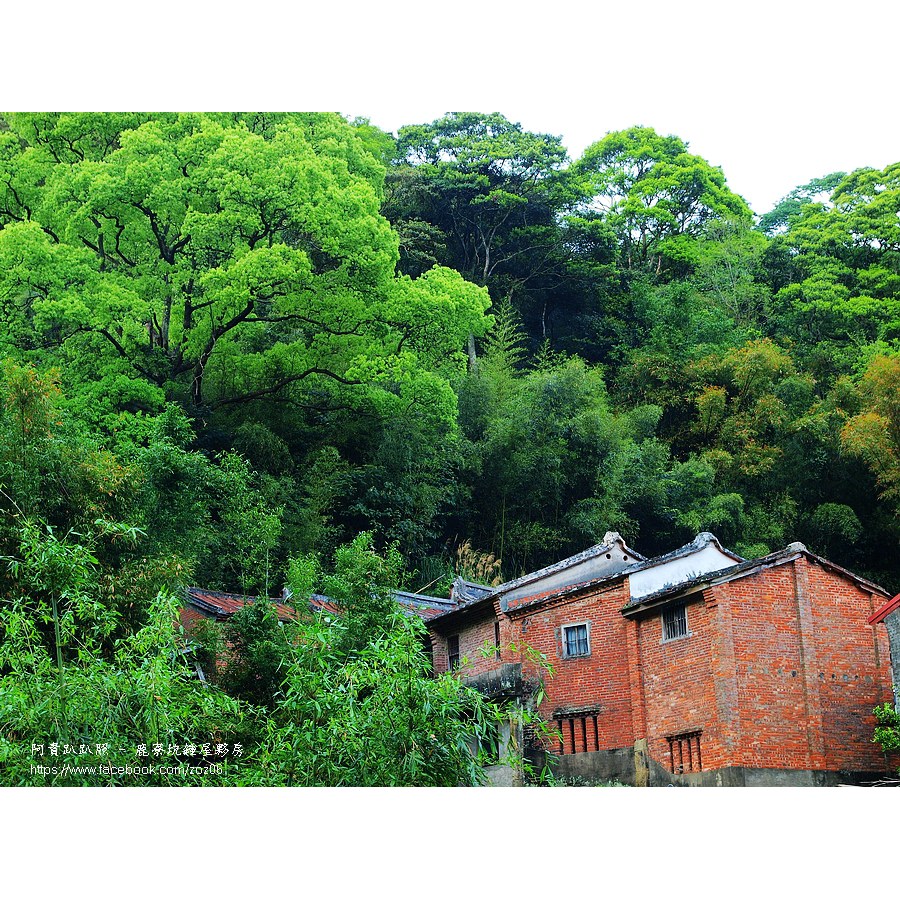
(676, 571)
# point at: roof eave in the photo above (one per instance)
(742, 570)
(884, 611)
(567, 563)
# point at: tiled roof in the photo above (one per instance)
(701, 541)
(222, 605)
(422, 605)
(597, 550)
(470, 594)
(468, 591)
(321, 603)
(749, 567)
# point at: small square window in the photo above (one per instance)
(674, 621)
(453, 651)
(575, 640)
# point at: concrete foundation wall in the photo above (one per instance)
(503, 776)
(620, 765)
(597, 766)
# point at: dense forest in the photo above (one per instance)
(234, 343)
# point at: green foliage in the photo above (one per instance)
(362, 585)
(788, 208)
(358, 703)
(224, 264)
(655, 195)
(729, 269)
(874, 434)
(480, 194)
(253, 665)
(376, 719)
(887, 728)
(553, 467)
(483, 181)
(232, 342)
(64, 691)
(840, 289)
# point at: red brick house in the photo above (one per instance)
(697, 667)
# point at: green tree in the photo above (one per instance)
(225, 265)
(874, 434)
(551, 466)
(816, 191)
(70, 687)
(358, 703)
(887, 728)
(838, 279)
(254, 664)
(655, 195)
(480, 194)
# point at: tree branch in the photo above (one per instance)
(284, 382)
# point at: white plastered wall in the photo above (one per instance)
(675, 571)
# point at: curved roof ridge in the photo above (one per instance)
(701, 540)
(610, 538)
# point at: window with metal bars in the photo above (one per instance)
(576, 640)
(674, 622)
(684, 753)
(578, 734)
(453, 651)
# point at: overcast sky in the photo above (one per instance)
(775, 93)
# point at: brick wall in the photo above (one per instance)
(474, 636)
(677, 684)
(780, 671)
(852, 668)
(598, 680)
(778, 720)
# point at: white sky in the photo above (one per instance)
(776, 93)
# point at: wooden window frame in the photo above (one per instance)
(452, 657)
(671, 613)
(565, 644)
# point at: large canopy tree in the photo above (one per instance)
(221, 258)
(479, 193)
(655, 195)
(840, 282)
(488, 185)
